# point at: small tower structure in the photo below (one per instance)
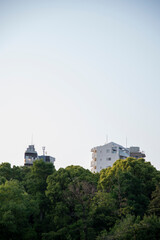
(30, 155)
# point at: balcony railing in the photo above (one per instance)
(94, 155)
(124, 153)
(93, 150)
(93, 163)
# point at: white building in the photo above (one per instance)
(104, 156)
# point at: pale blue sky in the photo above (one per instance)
(73, 71)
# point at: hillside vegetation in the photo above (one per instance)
(119, 203)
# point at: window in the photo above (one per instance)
(107, 151)
(108, 159)
(114, 149)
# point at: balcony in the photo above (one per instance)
(123, 153)
(94, 155)
(93, 163)
(93, 150)
(93, 170)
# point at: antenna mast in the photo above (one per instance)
(43, 148)
(106, 138)
(32, 139)
(126, 142)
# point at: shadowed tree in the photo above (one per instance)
(70, 191)
(154, 206)
(35, 184)
(17, 212)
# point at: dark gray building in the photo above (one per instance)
(31, 155)
(136, 153)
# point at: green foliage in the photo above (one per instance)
(71, 191)
(103, 211)
(5, 170)
(131, 228)
(35, 184)
(15, 211)
(154, 206)
(131, 182)
(38, 174)
(123, 230)
(40, 203)
(148, 228)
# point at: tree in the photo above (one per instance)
(5, 170)
(36, 185)
(71, 191)
(38, 174)
(132, 228)
(148, 228)
(131, 182)
(123, 230)
(154, 206)
(103, 211)
(17, 212)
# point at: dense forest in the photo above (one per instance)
(119, 203)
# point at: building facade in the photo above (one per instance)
(31, 155)
(104, 156)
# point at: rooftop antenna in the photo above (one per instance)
(32, 139)
(43, 148)
(106, 138)
(126, 142)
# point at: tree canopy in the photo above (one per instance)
(40, 203)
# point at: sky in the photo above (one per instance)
(76, 73)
